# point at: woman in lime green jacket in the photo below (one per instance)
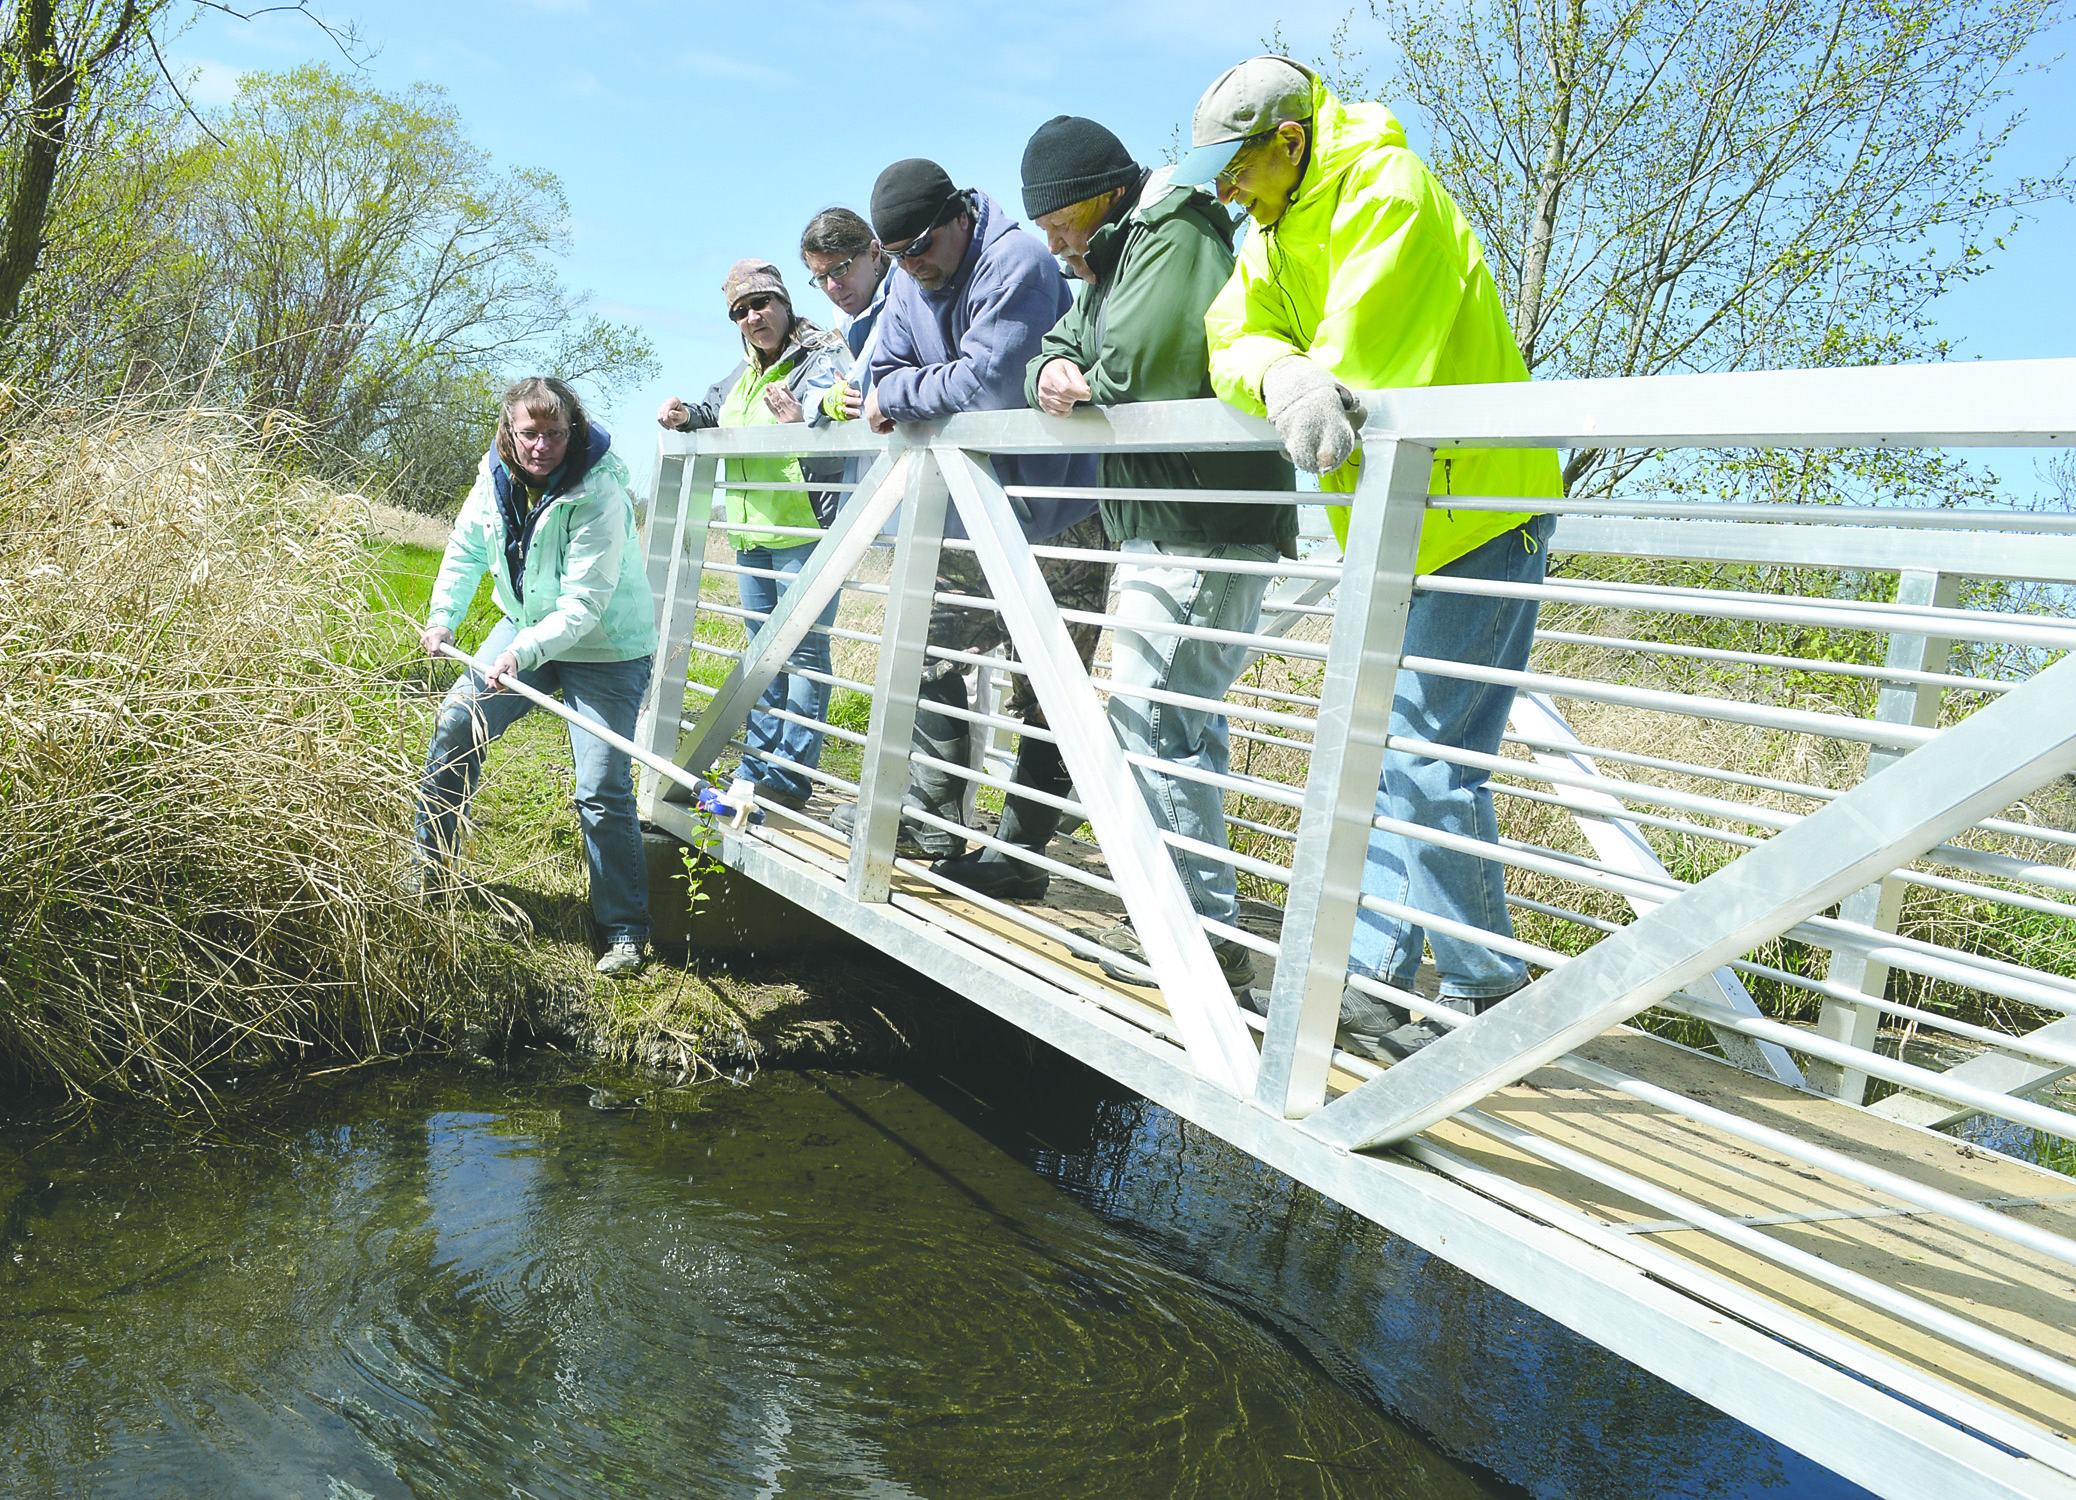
(1361, 275)
(788, 366)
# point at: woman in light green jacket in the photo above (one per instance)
(788, 366)
(550, 520)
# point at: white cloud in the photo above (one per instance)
(208, 85)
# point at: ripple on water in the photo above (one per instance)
(458, 1283)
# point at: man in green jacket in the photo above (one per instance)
(1362, 274)
(1154, 256)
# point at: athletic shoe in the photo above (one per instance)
(621, 958)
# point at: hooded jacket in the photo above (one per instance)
(965, 348)
(1374, 274)
(584, 593)
(1137, 334)
(808, 368)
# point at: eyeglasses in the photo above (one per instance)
(1230, 177)
(535, 438)
(749, 305)
(920, 245)
(835, 273)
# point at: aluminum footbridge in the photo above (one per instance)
(1787, 814)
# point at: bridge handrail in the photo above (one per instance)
(1859, 844)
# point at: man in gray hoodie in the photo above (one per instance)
(966, 309)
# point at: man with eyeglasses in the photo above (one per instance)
(1362, 274)
(965, 309)
(1154, 256)
(853, 272)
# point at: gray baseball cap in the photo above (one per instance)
(1259, 94)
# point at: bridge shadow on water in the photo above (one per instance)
(1478, 1374)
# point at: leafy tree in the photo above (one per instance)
(57, 57)
(374, 271)
(1667, 186)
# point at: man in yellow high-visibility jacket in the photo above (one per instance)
(1361, 274)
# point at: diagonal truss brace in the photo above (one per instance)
(1219, 1044)
(1603, 821)
(1970, 772)
(835, 557)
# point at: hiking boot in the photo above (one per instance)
(621, 958)
(913, 840)
(987, 873)
(1235, 960)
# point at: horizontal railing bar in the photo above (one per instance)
(1964, 554)
(1837, 614)
(1821, 988)
(1160, 497)
(2018, 1111)
(1677, 767)
(1787, 663)
(1687, 705)
(2017, 403)
(1957, 856)
(1778, 513)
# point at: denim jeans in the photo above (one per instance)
(1435, 794)
(471, 716)
(788, 690)
(1168, 588)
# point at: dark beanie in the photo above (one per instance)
(908, 198)
(1070, 159)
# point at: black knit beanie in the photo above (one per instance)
(1070, 159)
(908, 198)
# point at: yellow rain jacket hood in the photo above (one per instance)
(1374, 274)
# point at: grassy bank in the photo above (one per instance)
(204, 776)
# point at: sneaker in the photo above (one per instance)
(1235, 960)
(621, 958)
(1003, 879)
(913, 840)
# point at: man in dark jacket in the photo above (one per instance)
(963, 316)
(1155, 256)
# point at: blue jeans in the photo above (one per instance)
(1435, 794)
(471, 716)
(1168, 588)
(810, 700)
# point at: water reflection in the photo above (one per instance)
(471, 1282)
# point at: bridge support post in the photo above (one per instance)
(897, 680)
(675, 532)
(1390, 503)
(1881, 905)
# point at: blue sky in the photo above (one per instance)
(688, 136)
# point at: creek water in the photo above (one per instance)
(539, 1280)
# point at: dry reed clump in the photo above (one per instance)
(205, 802)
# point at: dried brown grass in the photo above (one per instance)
(205, 797)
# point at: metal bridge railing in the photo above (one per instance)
(1708, 788)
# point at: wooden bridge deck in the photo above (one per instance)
(1948, 1264)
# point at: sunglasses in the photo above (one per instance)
(749, 305)
(920, 245)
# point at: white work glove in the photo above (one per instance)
(1315, 415)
